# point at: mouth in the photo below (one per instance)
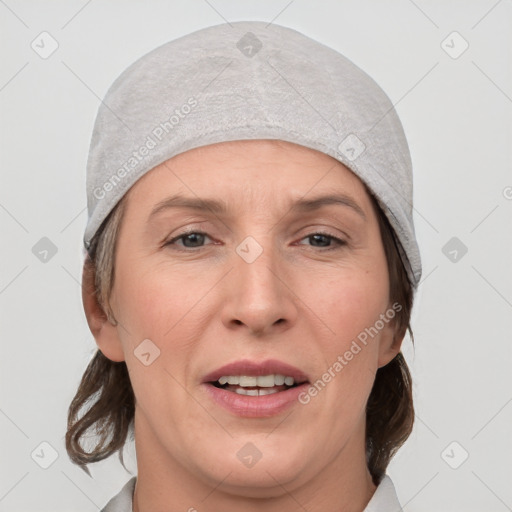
(250, 385)
(255, 389)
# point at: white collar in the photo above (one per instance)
(383, 500)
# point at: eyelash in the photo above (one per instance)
(340, 243)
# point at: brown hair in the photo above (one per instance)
(390, 408)
(106, 393)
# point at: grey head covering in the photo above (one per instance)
(250, 80)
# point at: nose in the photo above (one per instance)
(259, 296)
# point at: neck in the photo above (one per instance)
(165, 485)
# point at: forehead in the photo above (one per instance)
(254, 168)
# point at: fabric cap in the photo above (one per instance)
(250, 80)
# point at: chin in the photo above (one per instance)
(257, 482)
(252, 473)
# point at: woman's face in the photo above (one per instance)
(256, 282)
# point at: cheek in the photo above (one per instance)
(349, 355)
(352, 302)
(164, 306)
(158, 305)
(152, 301)
(350, 306)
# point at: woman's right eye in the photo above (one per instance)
(195, 237)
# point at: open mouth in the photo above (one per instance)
(244, 387)
(256, 386)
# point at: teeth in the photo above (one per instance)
(247, 381)
(279, 379)
(263, 381)
(249, 392)
(255, 392)
(288, 381)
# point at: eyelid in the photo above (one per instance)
(323, 233)
(183, 234)
(339, 242)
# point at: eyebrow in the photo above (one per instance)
(220, 207)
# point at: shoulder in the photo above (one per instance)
(385, 498)
(122, 502)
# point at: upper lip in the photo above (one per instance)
(255, 368)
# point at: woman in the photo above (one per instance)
(249, 279)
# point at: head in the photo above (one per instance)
(320, 277)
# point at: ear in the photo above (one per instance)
(390, 343)
(105, 333)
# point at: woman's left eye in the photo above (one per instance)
(197, 237)
(319, 236)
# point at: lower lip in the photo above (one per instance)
(255, 406)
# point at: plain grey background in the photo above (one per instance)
(456, 108)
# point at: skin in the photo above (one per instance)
(297, 302)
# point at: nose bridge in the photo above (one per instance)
(258, 297)
(257, 266)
